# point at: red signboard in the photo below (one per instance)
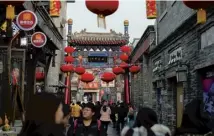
(26, 20)
(151, 9)
(38, 39)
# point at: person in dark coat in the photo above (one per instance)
(113, 114)
(87, 125)
(146, 124)
(97, 109)
(122, 112)
(44, 116)
(195, 120)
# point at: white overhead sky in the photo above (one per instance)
(132, 10)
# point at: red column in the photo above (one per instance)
(126, 88)
(67, 89)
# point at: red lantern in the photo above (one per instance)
(124, 57)
(80, 70)
(124, 65)
(200, 6)
(108, 77)
(69, 49)
(40, 75)
(69, 59)
(67, 68)
(125, 49)
(118, 70)
(87, 77)
(134, 69)
(102, 8)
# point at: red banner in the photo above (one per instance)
(151, 9)
(55, 6)
(91, 85)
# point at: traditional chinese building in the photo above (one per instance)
(98, 51)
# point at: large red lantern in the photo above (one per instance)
(124, 57)
(125, 49)
(124, 65)
(67, 68)
(87, 77)
(118, 70)
(108, 77)
(102, 8)
(40, 76)
(200, 6)
(80, 70)
(69, 49)
(134, 69)
(69, 59)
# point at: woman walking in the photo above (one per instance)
(105, 117)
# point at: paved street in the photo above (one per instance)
(111, 131)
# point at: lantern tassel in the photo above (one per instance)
(201, 16)
(101, 21)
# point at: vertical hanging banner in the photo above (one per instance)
(151, 10)
(55, 6)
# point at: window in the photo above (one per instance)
(206, 38)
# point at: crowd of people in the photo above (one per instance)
(47, 115)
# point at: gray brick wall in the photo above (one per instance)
(175, 14)
(178, 29)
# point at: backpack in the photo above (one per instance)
(76, 123)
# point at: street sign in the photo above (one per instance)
(38, 39)
(26, 20)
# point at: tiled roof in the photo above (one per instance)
(111, 38)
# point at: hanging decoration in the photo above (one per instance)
(102, 8)
(54, 9)
(200, 6)
(69, 49)
(118, 70)
(125, 49)
(151, 9)
(134, 70)
(69, 59)
(124, 57)
(87, 77)
(40, 76)
(124, 65)
(108, 77)
(80, 70)
(67, 68)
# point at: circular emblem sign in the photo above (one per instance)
(38, 39)
(26, 20)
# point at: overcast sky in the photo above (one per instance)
(134, 11)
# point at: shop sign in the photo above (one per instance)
(38, 39)
(55, 6)
(26, 20)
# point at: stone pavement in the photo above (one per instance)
(111, 131)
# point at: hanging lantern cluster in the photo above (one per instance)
(102, 8)
(201, 7)
(118, 70)
(68, 67)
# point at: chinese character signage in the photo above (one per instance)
(38, 39)
(55, 6)
(26, 20)
(151, 9)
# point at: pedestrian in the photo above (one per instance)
(97, 110)
(122, 112)
(67, 119)
(146, 124)
(87, 125)
(76, 110)
(113, 114)
(131, 116)
(44, 116)
(105, 116)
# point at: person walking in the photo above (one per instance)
(146, 124)
(87, 125)
(105, 117)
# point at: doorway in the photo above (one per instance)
(180, 104)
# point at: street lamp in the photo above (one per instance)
(23, 41)
(181, 74)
